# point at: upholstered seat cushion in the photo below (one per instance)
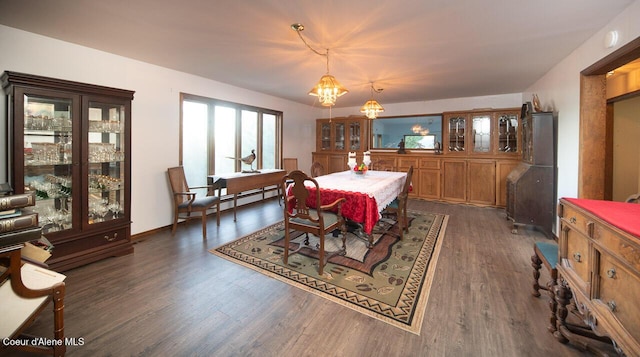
(329, 219)
(202, 202)
(394, 204)
(550, 252)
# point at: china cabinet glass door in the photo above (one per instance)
(325, 138)
(508, 133)
(49, 157)
(481, 125)
(106, 157)
(456, 133)
(340, 136)
(354, 136)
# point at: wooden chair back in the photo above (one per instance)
(317, 169)
(289, 164)
(178, 183)
(633, 198)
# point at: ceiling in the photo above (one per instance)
(413, 49)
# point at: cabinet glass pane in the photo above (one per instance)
(326, 136)
(47, 159)
(481, 133)
(106, 191)
(340, 136)
(354, 136)
(508, 133)
(456, 133)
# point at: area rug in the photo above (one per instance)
(389, 282)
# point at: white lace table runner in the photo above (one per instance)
(383, 186)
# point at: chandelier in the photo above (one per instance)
(328, 88)
(371, 108)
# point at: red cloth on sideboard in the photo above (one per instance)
(625, 216)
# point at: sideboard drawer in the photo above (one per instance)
(620, 289)
(621, 248)
(578, 256)
(430, 164)
(578, 220)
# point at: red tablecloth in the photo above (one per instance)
(365, 195)
(358, 207)
(625, 216)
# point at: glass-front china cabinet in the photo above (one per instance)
(70, 143)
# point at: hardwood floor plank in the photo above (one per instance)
(173, 297)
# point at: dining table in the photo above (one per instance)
(366, 195)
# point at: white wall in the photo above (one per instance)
(155, 110)
(559, 90)
(156, 105)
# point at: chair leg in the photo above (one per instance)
(285, 255)
(175, 222)
(401, 222)
(321, 253)
(536, 263)
(218, 213)
(204, 224)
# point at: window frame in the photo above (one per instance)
(239, 107)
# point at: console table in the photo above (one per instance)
(599, 268)
(237, 182)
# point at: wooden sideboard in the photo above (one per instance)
(599, 270)
(455, 179)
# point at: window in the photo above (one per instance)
(215, 133)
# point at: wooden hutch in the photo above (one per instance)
(479, 150)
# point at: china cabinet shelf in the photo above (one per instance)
(70, 144)
(337, 137)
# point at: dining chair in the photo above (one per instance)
(298, 216)
(635, 198)
(317, 169)
(288, 164)
(186, 202)
(398, 207)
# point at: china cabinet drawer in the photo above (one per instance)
(578, 256)
(93, 242)
(619, 290)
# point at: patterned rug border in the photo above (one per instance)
(311, 284)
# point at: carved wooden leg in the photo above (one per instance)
(536, 263)
(563, 296)
(553, 305)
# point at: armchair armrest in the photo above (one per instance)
(336, 204)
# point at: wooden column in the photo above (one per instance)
(593, 124)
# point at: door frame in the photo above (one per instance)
(595, 167)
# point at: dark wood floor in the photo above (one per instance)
(174, 298)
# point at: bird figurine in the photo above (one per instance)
(249, 159)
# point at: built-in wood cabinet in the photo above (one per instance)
(336, 137)
(70, 143)
(479, 150)
(482, 132)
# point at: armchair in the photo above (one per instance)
(185, 202)
(320, 222)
